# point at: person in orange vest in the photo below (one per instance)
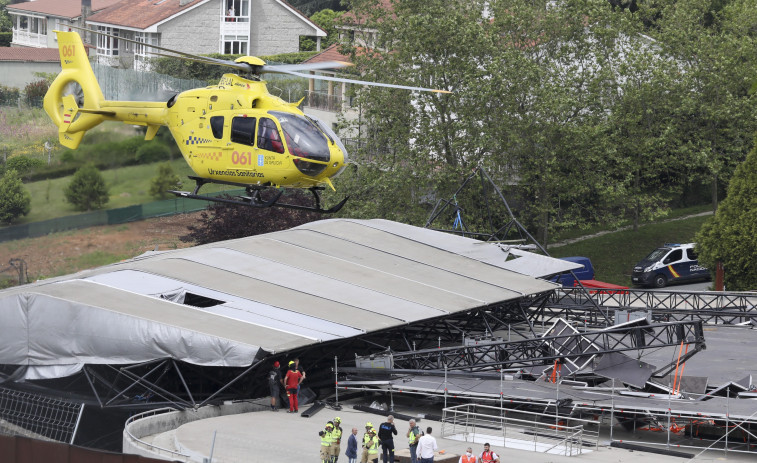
(487, 456)
(468, 457)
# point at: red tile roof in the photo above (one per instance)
(61, 8)
(28, 54)
(141, 14)
(350, 18)
(329, 54)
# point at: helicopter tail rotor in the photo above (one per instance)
(73, 99)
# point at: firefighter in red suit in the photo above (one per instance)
(292, 379)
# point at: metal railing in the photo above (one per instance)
(545, 433)
(37, 416)
(34, 39)
(172, 454)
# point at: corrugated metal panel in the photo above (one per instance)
(322, 281)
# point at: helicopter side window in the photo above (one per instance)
(268, 136)
(243, 130)
(216, 125)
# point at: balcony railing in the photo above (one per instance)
(31, 39)
(323, 101)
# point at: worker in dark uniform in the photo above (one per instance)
(274, 382)
(386, 434)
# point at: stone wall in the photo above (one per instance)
(196, 31)
(275, 29)
(19, 74)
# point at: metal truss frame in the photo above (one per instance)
(538, 351)
(161, 382)
(706, 306)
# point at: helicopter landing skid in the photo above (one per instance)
(253, 198)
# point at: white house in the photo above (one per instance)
(35, 21)
(253, 27)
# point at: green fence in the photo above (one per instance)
(108, 217)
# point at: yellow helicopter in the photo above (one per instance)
(234, 133)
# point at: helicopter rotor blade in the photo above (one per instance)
(285, 68)
(206, 60)
(364, 82)
(181, 55)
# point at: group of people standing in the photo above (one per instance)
(422, 446)
(290, 381)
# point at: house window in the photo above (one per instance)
(61, 25)
(237, 11)
(235, 44)
(142, 53)
(107, 46)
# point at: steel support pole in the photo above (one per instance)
(336, 382)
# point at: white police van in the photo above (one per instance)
(671, 263)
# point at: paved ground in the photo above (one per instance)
(269, 436)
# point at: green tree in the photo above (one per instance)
(15, 200)
(730, 236)
(327, 20)
(87, 189)
(715, 49)
(5, 20)
(529, 103)
(164, 181)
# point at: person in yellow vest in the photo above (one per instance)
(366, 438)
(326, 440)
(336, 435)
(468, 457)
(372, 446)
(413, 434)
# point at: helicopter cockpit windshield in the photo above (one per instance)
(304, 140)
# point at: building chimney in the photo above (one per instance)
(86, 10)
(184, 2)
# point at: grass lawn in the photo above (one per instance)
(127, 186)
(673, 213)
(614, 255)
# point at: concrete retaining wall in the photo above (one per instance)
(165, 422)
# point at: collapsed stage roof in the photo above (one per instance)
(231, 302)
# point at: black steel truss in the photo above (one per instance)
(541, 351)
(708, 307)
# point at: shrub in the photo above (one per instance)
(68, 156)
(164, 181)
(5, 39)
(15, 200)
(87, 189)
(9, 95)
(24, 165)
(34, 92)
(152, 152)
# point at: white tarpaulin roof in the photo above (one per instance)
(221, 304)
